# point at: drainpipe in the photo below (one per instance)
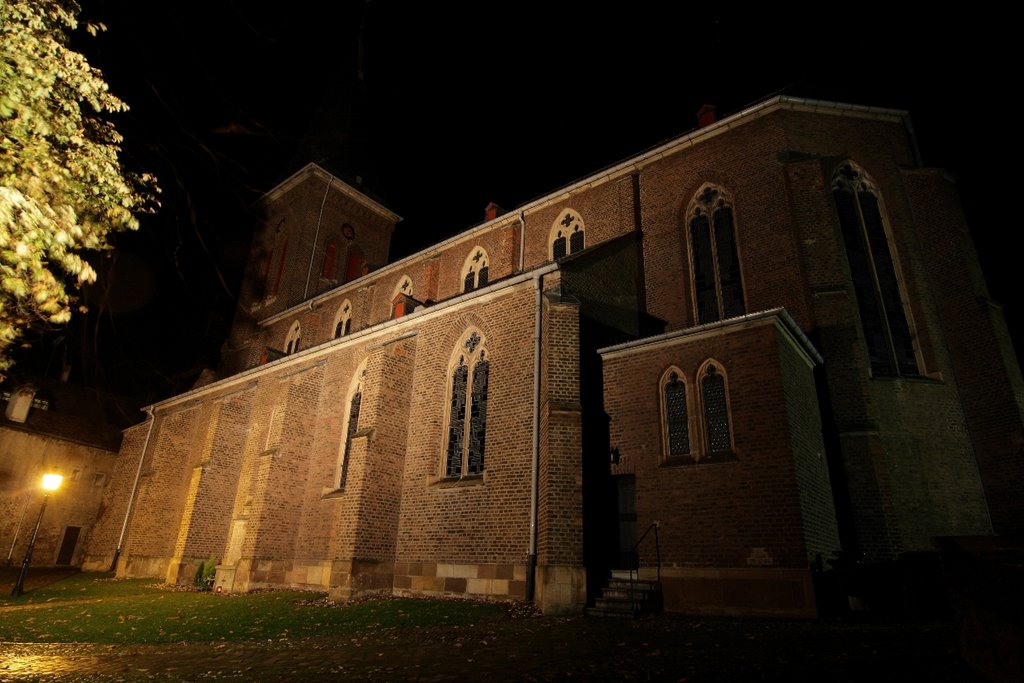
(531, 557)
(913, 139)
(316, 238)
(135, 488)
(522, 241)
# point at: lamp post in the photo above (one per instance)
(51, 482)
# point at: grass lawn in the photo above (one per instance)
(94, 608)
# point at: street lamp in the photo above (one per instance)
(51, 482)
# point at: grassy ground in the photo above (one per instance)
(90, 627)
(95, 608)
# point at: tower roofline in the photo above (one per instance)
(314, 169)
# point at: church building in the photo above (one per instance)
(717, 363)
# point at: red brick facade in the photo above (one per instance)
(799, 447)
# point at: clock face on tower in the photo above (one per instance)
(348, 231)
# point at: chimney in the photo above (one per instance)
(19, 403)
(706, 115)
(492, 211)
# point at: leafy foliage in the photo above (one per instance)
(205, 574)
(62, 187)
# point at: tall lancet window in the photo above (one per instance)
(675, 415)
(714, 257)
(714, 401)
(876, 283)
(467, 413)
(355, 400)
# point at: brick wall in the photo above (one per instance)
(101, 543)
(981, 353)
(88, 474)
(724, 514)
(761, 514)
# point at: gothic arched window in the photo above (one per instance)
(467, 409)
(876, 282)
(401, 298)
(475, 271)
(695, 417)
(717, 281)
(343, 319)
(355, 399)
(714, 401)
(567, 235)
(675, 415)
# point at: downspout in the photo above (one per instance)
(316, 238)
(531, 557)
(913, 139)
(522, 241)
(135, 488)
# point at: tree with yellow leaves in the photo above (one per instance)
(62, 188)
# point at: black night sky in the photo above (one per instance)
(441, 108)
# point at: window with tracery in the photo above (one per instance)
(717, 437)
(355, 400)
(707, 438)
(567, 235)
(714, 258)
(876, 283)
(676, 415)
(291, 342)
(467, 410)
(475, 272)
(343, 319)
(401, 297)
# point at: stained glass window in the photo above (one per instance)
(457, 422)
(467, 422)
(477, 418)
(716, 412)
(353, 427)
(678, 428)
(876, 286)
(717, 282)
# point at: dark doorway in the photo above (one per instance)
(626, 484)
(67, 546)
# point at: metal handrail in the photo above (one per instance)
(657, 549)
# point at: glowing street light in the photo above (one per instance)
(51, 482)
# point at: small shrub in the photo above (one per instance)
(205, 574)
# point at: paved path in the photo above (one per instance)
(663, 648)
(523, 648)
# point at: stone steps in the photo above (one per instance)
(626, 597)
